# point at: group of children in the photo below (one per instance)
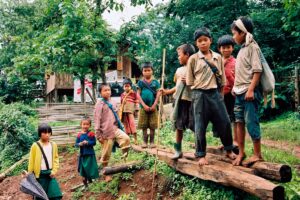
(209, 88)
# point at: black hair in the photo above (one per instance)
(187, 49)
(203, 31)
(247, 23)
(147, 65)
(102, 86)
(44, 128)
(226, 40)
(127, 81)
(86, 118)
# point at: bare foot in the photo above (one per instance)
(107, 178)
(202, 161)
(251, 161)
(239, 159)
(230, 155)
(221, 147)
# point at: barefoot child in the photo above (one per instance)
(182, 114)
(208, 104)
(129, 101)
(44, 162)
(87, 163)
(108, 127)
(226, 47)
(148, 97)
(248, 69)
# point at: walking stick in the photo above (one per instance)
(159, 120)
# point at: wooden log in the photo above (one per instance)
(122, 168)
(11, 168)
(222, 173)
(272, 171)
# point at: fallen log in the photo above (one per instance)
(11, 168)
(221, 172)
(272, 171)
(129, 167)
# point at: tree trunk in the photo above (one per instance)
(82, 86)
(129, 167)
(222, 173)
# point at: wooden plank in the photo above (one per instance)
(222, 173)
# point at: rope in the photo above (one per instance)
(159, 120)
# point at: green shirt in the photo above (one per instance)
(146, 94)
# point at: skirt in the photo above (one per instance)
(50, 185)
(87, 166)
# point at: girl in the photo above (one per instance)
(44, 162)
(87, 164)
(129, 102)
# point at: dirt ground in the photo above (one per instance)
(68, 177)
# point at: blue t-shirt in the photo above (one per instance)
(89, 148)
(148, 95)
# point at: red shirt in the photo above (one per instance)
(229, 73)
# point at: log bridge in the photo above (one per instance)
(220, 170)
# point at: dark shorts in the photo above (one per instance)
(229, 101)
(148, 119)
(185, 118)
(247, 112)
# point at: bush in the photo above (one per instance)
(17, 133)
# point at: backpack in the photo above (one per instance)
(267, 80)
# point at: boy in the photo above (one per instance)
(248, 69)
(148, 96)
(208, 104)
(226, 47)
(44, 162)
(108, 127)
(183, 98)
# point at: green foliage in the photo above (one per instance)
(16, 133)
(130, 196)
(111, 187)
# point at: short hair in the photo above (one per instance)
(44, 128)
(86, 118)
(102, 86)
(203, 31)
(127, 81)
(187, 49)
(225, 40)
(147, 65)
(247, 23)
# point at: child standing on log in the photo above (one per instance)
(108, 127)
(226, 47)
(87, 163)
(129, 103)
(44, 162)
(248, 70)
(148, 97)
(182, 111)
(206, 76)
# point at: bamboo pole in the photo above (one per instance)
(159, 120)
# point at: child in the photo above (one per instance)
(248, 69)
(208, 104)
(148, 96)
(128, 104)
(226, 47)
(183, 98)
(87, 163)
(44, 162)
(108, 127)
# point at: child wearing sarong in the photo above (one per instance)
(44, 162)
(129, 103)
(87, 163)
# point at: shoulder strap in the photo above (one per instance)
(213, 68)
(148, 87)
(44, 155)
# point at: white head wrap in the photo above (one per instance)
(249, 36)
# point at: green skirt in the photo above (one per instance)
(87, 166)
(50, 185)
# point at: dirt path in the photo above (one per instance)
(140, 184)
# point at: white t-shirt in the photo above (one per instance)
(48, 152)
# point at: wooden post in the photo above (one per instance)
(297, 95)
